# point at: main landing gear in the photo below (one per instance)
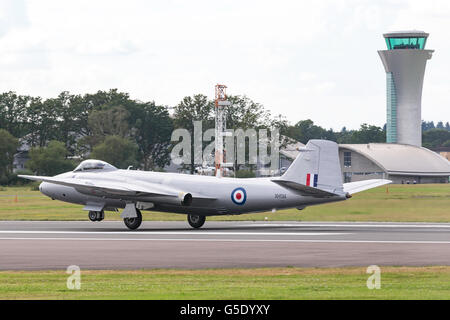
(96, 215)
(196, 221)
(134, 223)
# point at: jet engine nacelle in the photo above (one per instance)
(186, 199)
(183, 198)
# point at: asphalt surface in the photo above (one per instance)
(28, 245)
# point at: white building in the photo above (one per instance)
(400, 163)
(404, 63)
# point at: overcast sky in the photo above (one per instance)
(302, 59)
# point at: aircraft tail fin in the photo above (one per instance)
(317, 166)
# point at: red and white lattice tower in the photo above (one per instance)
(221, 103)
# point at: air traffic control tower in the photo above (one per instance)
(404, 62)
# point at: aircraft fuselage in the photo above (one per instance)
(211, 195)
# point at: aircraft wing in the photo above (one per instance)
(304, 190)
(110, 187)
(119, 190)
(358, 186)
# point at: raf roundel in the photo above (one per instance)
(239, 196)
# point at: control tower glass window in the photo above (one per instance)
(406, 43)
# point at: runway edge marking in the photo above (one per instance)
(201, 233)
(238, 240)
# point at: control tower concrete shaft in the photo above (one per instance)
(404, 62)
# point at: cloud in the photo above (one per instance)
(105, 47)
(12, 15)
(314, 59)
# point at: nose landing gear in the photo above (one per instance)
(96, 215)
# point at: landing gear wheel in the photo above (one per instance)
(134, 223)
(196, 221)
(96, 215)
(92, 216)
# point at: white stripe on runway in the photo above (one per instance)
(197, 233)
(353, 225)
(238, 240)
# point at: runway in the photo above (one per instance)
(37, 245)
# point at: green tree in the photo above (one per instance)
(367, 134)
(71, 111)
(84, 106)
(103, 99)
(50, 160)
(190, 109)
(244, 113)
(245, 174)
(114, 113)
(41, 122)
(61, 119)
(112, 121)
(306, 130)
(435, 138)
(344, 136)
(195, 108)
(427, 125)
(8, 147)
(118, 151)
(151, 128)
(13, 117)
(281, 123)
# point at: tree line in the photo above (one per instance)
(111, 126)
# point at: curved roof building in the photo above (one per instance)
(397, 162)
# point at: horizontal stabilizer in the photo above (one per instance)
(305, 190)
(358, 186)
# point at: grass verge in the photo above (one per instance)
(415, 203)
(266, 283)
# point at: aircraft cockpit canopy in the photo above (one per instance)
(94, 165)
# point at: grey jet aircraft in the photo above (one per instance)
(313, 178)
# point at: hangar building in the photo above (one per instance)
(400, 163)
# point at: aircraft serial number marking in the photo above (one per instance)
(280, 196)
